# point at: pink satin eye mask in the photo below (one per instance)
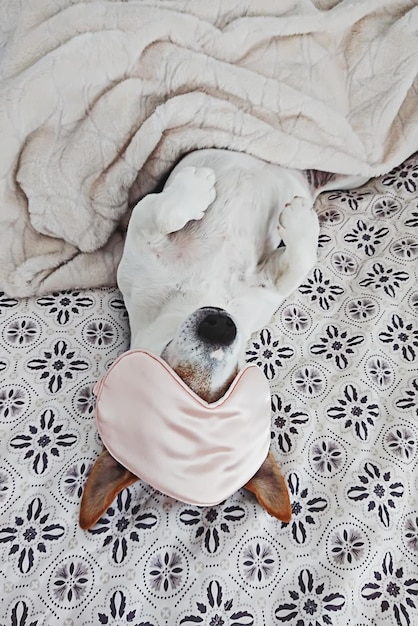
(160, 430)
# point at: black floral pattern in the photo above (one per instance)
(347, 547)
(401, 442)
(323, 240)
(22, 332)
(309, 381)
(258, 562)
(118, 612)
(414, 301)
(30, 535)
(74, 479)
(5, 487)
(305, 509)
(410, 397)
(410, 532)
(336, 344)
(58, 365)
(412, 222)
(13, 402)
(310, 604)
(43, 440)
(211, 522)
(120, 525)
(64, 306)
(405, 249)
(85, 401)
(166, 571)
(215, 611)
(100, 334)
(295, 319)
(349, 198)
(320, 290)
(268, 354)
(117, 304)
(6, 302)
(380, 372)
(386, 207)
(70, 582)
(326, 457)
(378, 490)
(19, 615)
(330, 216)
(366, 237)
(362, 309)
(385, 278)
(401, 336)
(285, 423)
(344, 263)
(392, 591)
(404, 177)
(357, 410)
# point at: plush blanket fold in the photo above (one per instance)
(98, 100)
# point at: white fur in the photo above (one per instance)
(210, 239)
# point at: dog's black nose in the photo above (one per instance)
(217, 328)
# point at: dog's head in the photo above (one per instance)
(204, 354)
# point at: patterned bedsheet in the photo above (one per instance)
(341, 355)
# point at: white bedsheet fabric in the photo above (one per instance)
(341, 356)
(100, 98)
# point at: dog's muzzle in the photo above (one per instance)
(217, 328)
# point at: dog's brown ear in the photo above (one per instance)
(106, 480)
(271, 490)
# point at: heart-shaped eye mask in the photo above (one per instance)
(160, 430)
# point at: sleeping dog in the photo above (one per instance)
(201, 271)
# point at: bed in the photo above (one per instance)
(341, 356)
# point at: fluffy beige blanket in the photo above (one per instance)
(98, 100)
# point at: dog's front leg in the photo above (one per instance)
(185, 197)
(298, 227)
(145, 271)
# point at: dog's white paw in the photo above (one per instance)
(298, 221)
(190, 193)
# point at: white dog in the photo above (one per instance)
(201, 271)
